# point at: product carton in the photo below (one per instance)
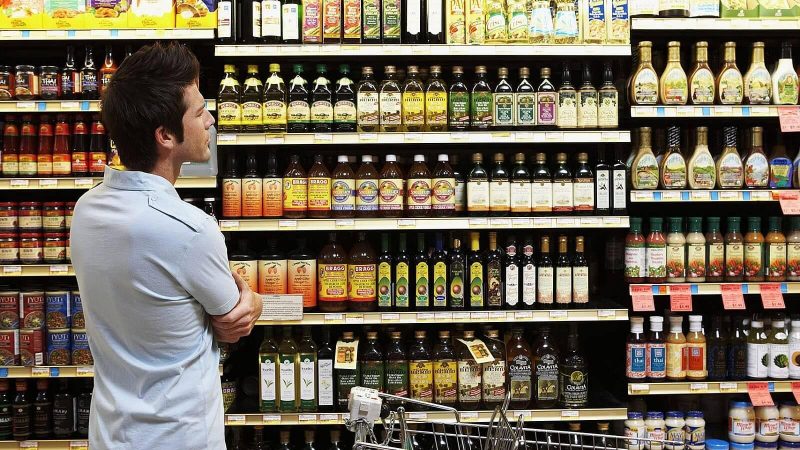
(778, 8)
(64, 14)
(196, 14)
(21, 14)
(106, 14)
(152, 14)
(738, 8)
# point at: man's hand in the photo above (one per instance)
(240, 320)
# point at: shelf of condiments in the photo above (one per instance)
(668, 168)
(676, 10)
(450, 189)
(35, 232)
(237, 440)
(425, 22)
(416, 100)
(758, 86)
(741, 24)
(694, 257)
(421, 279)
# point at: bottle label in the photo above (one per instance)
(674, 173)
(457, 284)
(397, 378)
(580, 284)
(391, 20)
(443, 194)
(384, 285)
(512, 285)
(676, 360)
(696, 257)
(499, 196)
(702, 88)
(367, 195)
(494, 297)
(645, 87)
(519, 375)
(303, 280)
(635, 361)
(787, 88)
(295, 194)
(458, 107)
(703, 174)
(308, 386)
(547, 377)
(757, 361)
(421, 380)
(608, 109)
(734, 260)
(344, 111)
(361, 280)
(603, 190)
(675, 87)
(563, 285)
(469, 381)
(440, 285)
(620, 189)
(574, 387)
(229, 114)
(494, 381)
(542, 196)
(272, 276)
(252, 113)
(270, 18)
(371, 20)
(343, 195)
(390, 108)
(372, 375)
(778, 364)
(696, 360)
(478, 196)
(504, 109)
(635, 260)
(756, 171)
(321, 111)
(481, 109)
(445, 378)
(298, 112)
(436, 108)
(367, 109)
(776, 260)
(413, 17)
(526, 109)
(545, 286)
(521, 196)
(268, 384)
(676, 260)
(418, 194)
(793, 259)
(352, 19)
(414, 108)
(319, 194)
(731, 87)
(547, 108)
(332, 279)
(402, 285)
(391, 195)
(567, 109)
(476, 285)
(231, 197)
(716, 260)
(656, 260)
(562, 196)
(583, 194)
(753, 259)
(274, 112)
(656, 363)
(291, 21)
(332, 20)
(460, 196)
(421, 293)
(529, 284)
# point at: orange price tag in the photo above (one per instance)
(796, 390)
(643, 298)
(790, 203)
(771, 296)
(732, 297)
(680, 297)
(759, 394)
(789, 117)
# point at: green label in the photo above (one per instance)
(347, 379)
(526, 109)
(391, 19)
(384, 285)
(401, 295)
(458, 108)
(504, 109)
(397, 378)
(421, 294)
(440, 284)
(372, 19)
(476, 285)
(372, 375)
(481, 108)
(268, 386)
(493, 285)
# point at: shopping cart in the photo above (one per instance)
(501, 433)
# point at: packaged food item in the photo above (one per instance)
(107, 13)
(594, 19)
(31, 347)
(196, 14)
(738, 8)
(778, 8)
(21, 14)
(64, 14)
(619, 24)
(152, 14)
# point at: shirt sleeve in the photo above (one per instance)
(205, 274)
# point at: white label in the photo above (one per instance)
(520, 196)
(794, 365)
(580, 284)
(413, 14)
(542, 196)
(742, 427)
(620, 189)
(434, 17)
(478, 195)
(545, 285)
(603, 189)
(291, 22)
(570, 413)
(755, 354)
(268, 381)
(499, 195)
(256, 16)
(583, 194)
(562, 195)
(512, 285)
(325, 367)
(563, 284)
(308, 386)
(224, 19)
(270, 18)
(529, 284)
(288, 388)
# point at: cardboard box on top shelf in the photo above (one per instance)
(738, 8)
(196, 14)
(158, 14)
(64, 14)
(21, 14)
(107, 14)
(778, 9)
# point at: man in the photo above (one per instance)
(153, 270)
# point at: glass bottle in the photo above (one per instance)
(673, 86)
(22, 412)
(443, 189)
(108, 70)
(587, 101)
(367, 109)
(499, 188)
(470, 377)
(413, 101)
(673, 164)
(346, 379)
(696, 350)
(396, 366)
(573, 380)
(730, 86)
(343, 190)
(546, 101)
(757, 80)
(635, 253)
(545, 281)
(656, 251)
(362, 275)
(503, 100)
(390, 189)
(737, 352)
(734, 250)
(457, 275)
(717, 349)
(252, 97)
(420, 370)
(371, 360)
(445, 371)
(655, 358)
(546, 371)
(608, 101)
(307, 350)
(715, 251)
(674, 8)
(344, 106)
(644, 168)
(322, 102)
(756, 165)
(778, 341)
(422, 275)
(780, 166)
(775, 242)
(520, 370)
(541, 186)
(229, 101)
(583, 186)
(757, 351)
(418, 189)
(520, 187)
(563, 274)
(644, 82)
(319, 190)
(42, 411)
(478, 188)
(695, 252)
(298, 112)
(580, 274)
(90, 86)
(367, 192)
(730, 171)
(390, 100)
(70, 77)
(325, 381)
(481, 101)
(754, 251)
(793, 251)
(458, 102)
(494, 373)
(436, 102)
(701, 167)
(291, 23)
(475, 262)
(567, 101)
(288, 373)
(563, 200)
(384, 276)
(636, 351)
(701, 82)
(438, 268)
(784, 78)
(402, 276)
(295, 190)
(524, 101)
(332, 276)
(494, 270)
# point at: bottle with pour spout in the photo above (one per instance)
(757, 80)
(730, 172)
(673, 164)
(644, 168)
(702, 171)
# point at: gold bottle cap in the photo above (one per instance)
(480, 69)
(274, 67)
(252, 68)
(545, 72)
(372, 335)
(436, 69)
(458, 69)
(583, 157)
(347, 335)
(444, 334)
(492, 334)
(366, 70)
(502, 72)
(758, 45)
(477, 157)
(702, 44)
(561, 157)
(524, 72)
(519, 157)
(469, 334)
(499, 157)
(645, 44)
(541, 157)
(420, 334)
(230, 68)
(413, 70)
(389, 69)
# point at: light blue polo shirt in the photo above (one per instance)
(151, 269)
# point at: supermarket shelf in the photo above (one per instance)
(537, 415)
(42, 270)
(337, 50)
(63, 106)
(374, 318)
(539, 137)
(709, 24)
(121, 34)
(701, 387)
(708, 196)
(706, 111)
(86, 183)
(45, 445)
(716, 288)
(46, 372)
(453, 223)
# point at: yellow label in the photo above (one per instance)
(456, 22)
(413, 108)
(295, 194)
(702, 88)
(275, 112)
(731, 87)
(476, 284)
(445, 380)
(319, 194)
(443, 194)
(607, 110)
(587, 110)
(420, 377)
(384, 285)
(391, 194)
(332, 280)
(676, 363)
(229, 113)
(476, 22)
(344, 111)
(361, 282)
(252, 113)
(436, 108)
(440, 284)
(248, 270)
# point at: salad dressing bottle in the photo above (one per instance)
(784, 78)
(730, 86)
(644, 82)
(702, 173)
(644, 168)
(757, 80)
(756, 165)
(701, 81)
(673, 164)
(730, 172)
(673, 88)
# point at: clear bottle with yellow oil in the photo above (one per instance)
(252, 109)
(436, 101)
(413, 101)
(274, 101)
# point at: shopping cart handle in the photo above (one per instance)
(364, 404)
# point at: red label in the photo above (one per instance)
(759, 394)
(790, 203)
(680, 297)
(771, 296)
(796, 390)
(732, 297)
(643, 298)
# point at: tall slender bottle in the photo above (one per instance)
(390, 100)
(362, 276)
(367, 192)
(288, 373)
(229, 101)
(268, 368)
(524, 101)
(757, 80)
(443, 189)
(528, 275)
(494, 373)
(343, 189)
(546, 372)
(367, 110)
(414, 31)
(583, 186)
(580, 274)
(458, 102)
(298, 114)
(439, 283)
(673, 164)
(456, 276)
(110, 68)
(499, 188)
(291, 23)
(546, 101)
(587, 101)
(325, 381)
(422, 275)
(413, 101)
(445, 371)
(274, 108)
(520, 373)
(756, 164)
(608, 101)
(436, 102)
(420, 369)
(701, 168)
(567, 101)
(541, 186)
(702, 87)
(475, 262)
(481, 101)
(573, 382)
(385, 275)
(90, 85)
(371, 360)
(478, 191)
(563, 274)
(322, 102)
(730, 171)
(545, 281)
(511, 275)
(307, 350)
(402, 276)
(396, 366)
(344, 106)
(435, 21)
(346, 379)
(521, 187)
(730, 85)
(563, 195)
(494, 274)
(503, 99)
(70, 77)
(470, 378)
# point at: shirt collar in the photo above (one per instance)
(130, 180)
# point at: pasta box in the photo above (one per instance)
(731, 9)
(196, 14)
(778, 8)
(21, 14)
(152, 14)
(64, 14)
(105, 14)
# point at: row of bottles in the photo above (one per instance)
(467, 372)
(48, 411)
(701, 87)
(450, 189)
(728, 169)
(416, 100)
(444, 278)
(731, 348)
(675, 8)
(712, 257)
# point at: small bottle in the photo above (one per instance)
(636, 351)
(676, 350)
(655, 364)
(546, 101)
(696, 350)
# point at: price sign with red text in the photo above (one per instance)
(732, 297)
(789, 117)
(771, 296)
(790, 203)
(680, 297)
(759, 394)
(643, 298)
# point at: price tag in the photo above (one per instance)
(271, 419)
(724, 110)
(479, 221)
(554, 136)
(48, 183)
(354, 319)
(425, 316)
(521, 222)
(70, 105)
(611, 136)
(730, 196)
(479, 316)
(85, 371)
(759, 394)
(19, 183)
(229, 225)
(497, 315)
(274, 140)
(790, 203)
(732, 297)
(542, 222)
(789, 117)
(523, 315)
(26, 106)
(501, 222)
(728, 387)
(565, 222)
(694, 387)
(459, 135)
(390, 317)
(701, 196)
(368, 136)
(524, 136)
(40, 372)
(60, 268)
(226, 138)
(760, 110)
(238, 419)
(29, 444)
(12, 270)
(558, 315)
(606, 314)
(468, 415)
(345, 222)
(590, 221)
(796, 390)
(460, 316)
(328, 417)
(406, 223)
(771, 296)
(570, 413)
(287, 224)
(307, 418)
(413, 136)
(418, 415)
(671, 196)
(333, 318)
(680, 297)
(685, 110)
(644, 111)
(443, 317)
(84, 182)
(323, 137)
(642, 298)
(78, 445)
(638, 387)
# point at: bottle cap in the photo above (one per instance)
(366, 158)
(391, 158)
(443, 157)
(419, 158)
(341, 158)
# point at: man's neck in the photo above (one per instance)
(168, 170)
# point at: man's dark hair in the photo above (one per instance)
(144, 94)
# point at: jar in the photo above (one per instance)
(675, 430)
(696, 431)
(788, 445)
(26, 85)
(762, 445)
(789, 429)
(49, 83)
(30, 248)
(8, 216)
(30, 216)
(69, 210)
(715, 444)
(55, 250)
(6, 83)
(635, 428)
(742, 446)
(53, 218)
(741, 423)
(767, 423)
(9, 248)
(656, 430)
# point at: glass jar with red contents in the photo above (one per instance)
(30, 216)
(10, 156)
(9, 248)
(98, 148)
(49, 83)
(44, 155)
(55, 249)
(80, 147)
(26, 84)
(31, 248)
(28, 166)
(9, 217)
(53, 218)
(6, 83)
(62, 160)
(69, 209)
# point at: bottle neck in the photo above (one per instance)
(758, 55)
(702, 55)
(645, 56)
(674, 54)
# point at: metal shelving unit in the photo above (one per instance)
(337, 50)
(716, 288)
(683, 195)
(702, 387)
(18, 184)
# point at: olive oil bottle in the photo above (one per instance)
(567, 101)
(525, 101)
(367, 102)
(229, 101)
(298, 113)
(390, 101)
(422, 275)
(252, 110)
(436, 102)
(587, 101)
(503, 99)
(608, 101)
(456, 275)
(458, 102)
(481, 104)
(413, 108)
(274, 110)
(322, 102)
(344, 106)
(475, 262)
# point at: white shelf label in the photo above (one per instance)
(701, 195)
(728, 387)
(323, 137)
(730, 196)
(501, 222)
(523, 315)
(639, 387)
(542, 223)
(459, 135)
(720, 110)
(25, 106)
(418, 415)
(610, 136)
(307, 418)
(19, 183)
(558, 315)
(478, 222)
(85, 371)
(443, 316)
(229, 224)
(468, 415)
(461, 316)
(271, 418)
(287, 224)
(70, 105)
(425, 316)
(79, 445)
(12, 269)
(226, 137)
(40, 372)
(698, 387)
(354, 319)
(413, 136)
(333, 317)
(368, 136)
(554, 136)
(274, 140)
(238, 419)
(565, 222)
(590, 221)
(390, 317)
(48, 183)
(29, 444)
(328, 417)
(60, 268)
(479, 316)
(521, 222)
(84, 182)
(570, 413)
(606, 314)
(406, 223)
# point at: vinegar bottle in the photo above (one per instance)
(295, 190)
(319, 190)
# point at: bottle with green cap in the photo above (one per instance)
(775, 269)
(715, 249)
(734, 250)
(635, 253)
(274, 101)
(298, 113)
(656, 252)
(676, 251)
(696, 251)
(322, 102)
(344, 107)
(754, 251)
(793, 250)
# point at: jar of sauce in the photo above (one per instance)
(26, 83)
(742, 446)
(362, 276)
(635, 253)
(391, 189)
(332, 277)
(30, 248)
(676, 430)
(767, 424)
(69, 209)
(635, 428)
(30, 216)
(9, 248)
(55, 250)
(734, 250)
(49, 83)
(789, 428)
(53, 218)
(754, 251)
(775, 264)
(6, 83)
(741, 423)
(696, 431)
(656, 430)
(9, 217)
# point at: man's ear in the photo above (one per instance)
(165, 141)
